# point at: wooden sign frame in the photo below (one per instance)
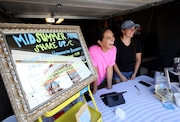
(42, 66)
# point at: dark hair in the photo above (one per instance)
(100, 34)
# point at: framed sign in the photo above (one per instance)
(42, 66)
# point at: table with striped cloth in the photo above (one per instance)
(143, 107)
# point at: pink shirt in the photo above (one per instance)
(102, 59)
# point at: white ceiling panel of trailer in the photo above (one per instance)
(74, 9)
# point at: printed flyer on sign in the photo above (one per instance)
(44, 75)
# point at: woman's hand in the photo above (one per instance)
(133, 76)
(123, 78)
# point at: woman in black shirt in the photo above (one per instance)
(129, 51)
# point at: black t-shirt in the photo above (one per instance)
(125, 57)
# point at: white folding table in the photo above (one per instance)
(143, 107)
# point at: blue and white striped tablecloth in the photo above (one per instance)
(143, 107)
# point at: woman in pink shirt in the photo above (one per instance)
(103, 56)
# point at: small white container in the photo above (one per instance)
(177, 99)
